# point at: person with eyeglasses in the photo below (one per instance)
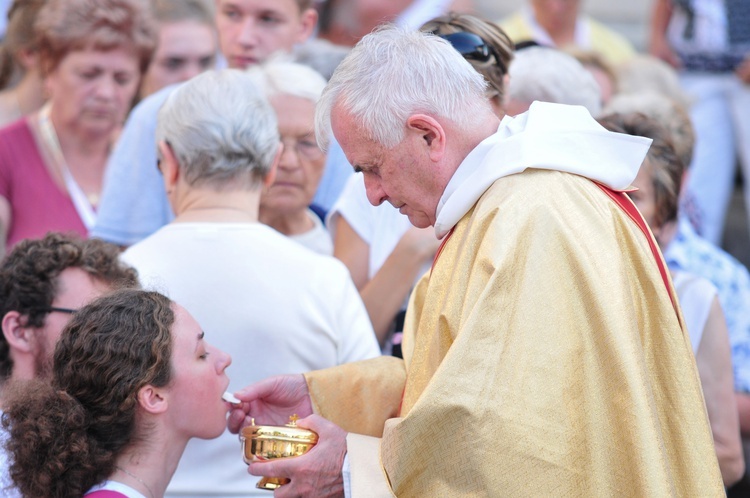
(385, 254)
(42, 283)
(133, 203)
(293, 90)
(133, 379)
(544, 353)
(278, 306)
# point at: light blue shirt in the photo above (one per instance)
(134, 204)
(691, 253)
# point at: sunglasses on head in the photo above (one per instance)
(472, 47)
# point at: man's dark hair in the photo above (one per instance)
(29, 277)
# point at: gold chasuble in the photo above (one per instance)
(542, 355)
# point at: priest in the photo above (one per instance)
(544, 354)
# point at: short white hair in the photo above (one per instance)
(221, 128)
(393, 73)
(646, 73)
(289, 78)
(549, 75)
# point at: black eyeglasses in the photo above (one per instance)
(59, 310)
(472, 47)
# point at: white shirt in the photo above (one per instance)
(275, 306)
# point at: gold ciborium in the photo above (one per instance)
(266, 442)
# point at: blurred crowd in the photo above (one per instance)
(121, 183)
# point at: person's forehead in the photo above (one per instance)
(541, 5)
(289, 7)
(293, 110)
(76, 288)
(186, 330)
(186, 33)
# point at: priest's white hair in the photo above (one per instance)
(393, 73)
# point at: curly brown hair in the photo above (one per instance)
(65, 436)
(502, 47)
(29, 277)
(666, 166)
(67, 25)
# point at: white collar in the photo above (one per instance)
(547, 136)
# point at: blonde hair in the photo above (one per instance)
(495, 69)
(19, 35)
(67, 25)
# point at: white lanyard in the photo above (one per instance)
(80, 201)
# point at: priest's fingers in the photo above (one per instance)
(273, 400)
(238, 418)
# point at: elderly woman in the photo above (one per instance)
(658, 183)
(133, 380)
(285, 307)
(385, 254)
(92, 54)
(293, 90)
(23, 92)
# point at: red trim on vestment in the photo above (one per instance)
(622, 200)
(442, 244)
(626, 204)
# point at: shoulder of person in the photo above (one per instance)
(105, 493)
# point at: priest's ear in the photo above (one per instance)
(430, 133)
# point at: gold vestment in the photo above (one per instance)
(542, 357)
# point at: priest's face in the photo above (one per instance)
(401, 175)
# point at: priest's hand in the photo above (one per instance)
(271, 402)
(317, 473)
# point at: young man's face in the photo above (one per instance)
(251, 30)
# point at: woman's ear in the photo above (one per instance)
(152, 399)
(168, 165)
(271, 175)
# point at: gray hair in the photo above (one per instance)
(549, 75)
(321, 55)
(393, 73)
(221, 128)
(646, 73)
(668, 112)
(290, 78)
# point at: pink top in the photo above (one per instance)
(38, 205)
